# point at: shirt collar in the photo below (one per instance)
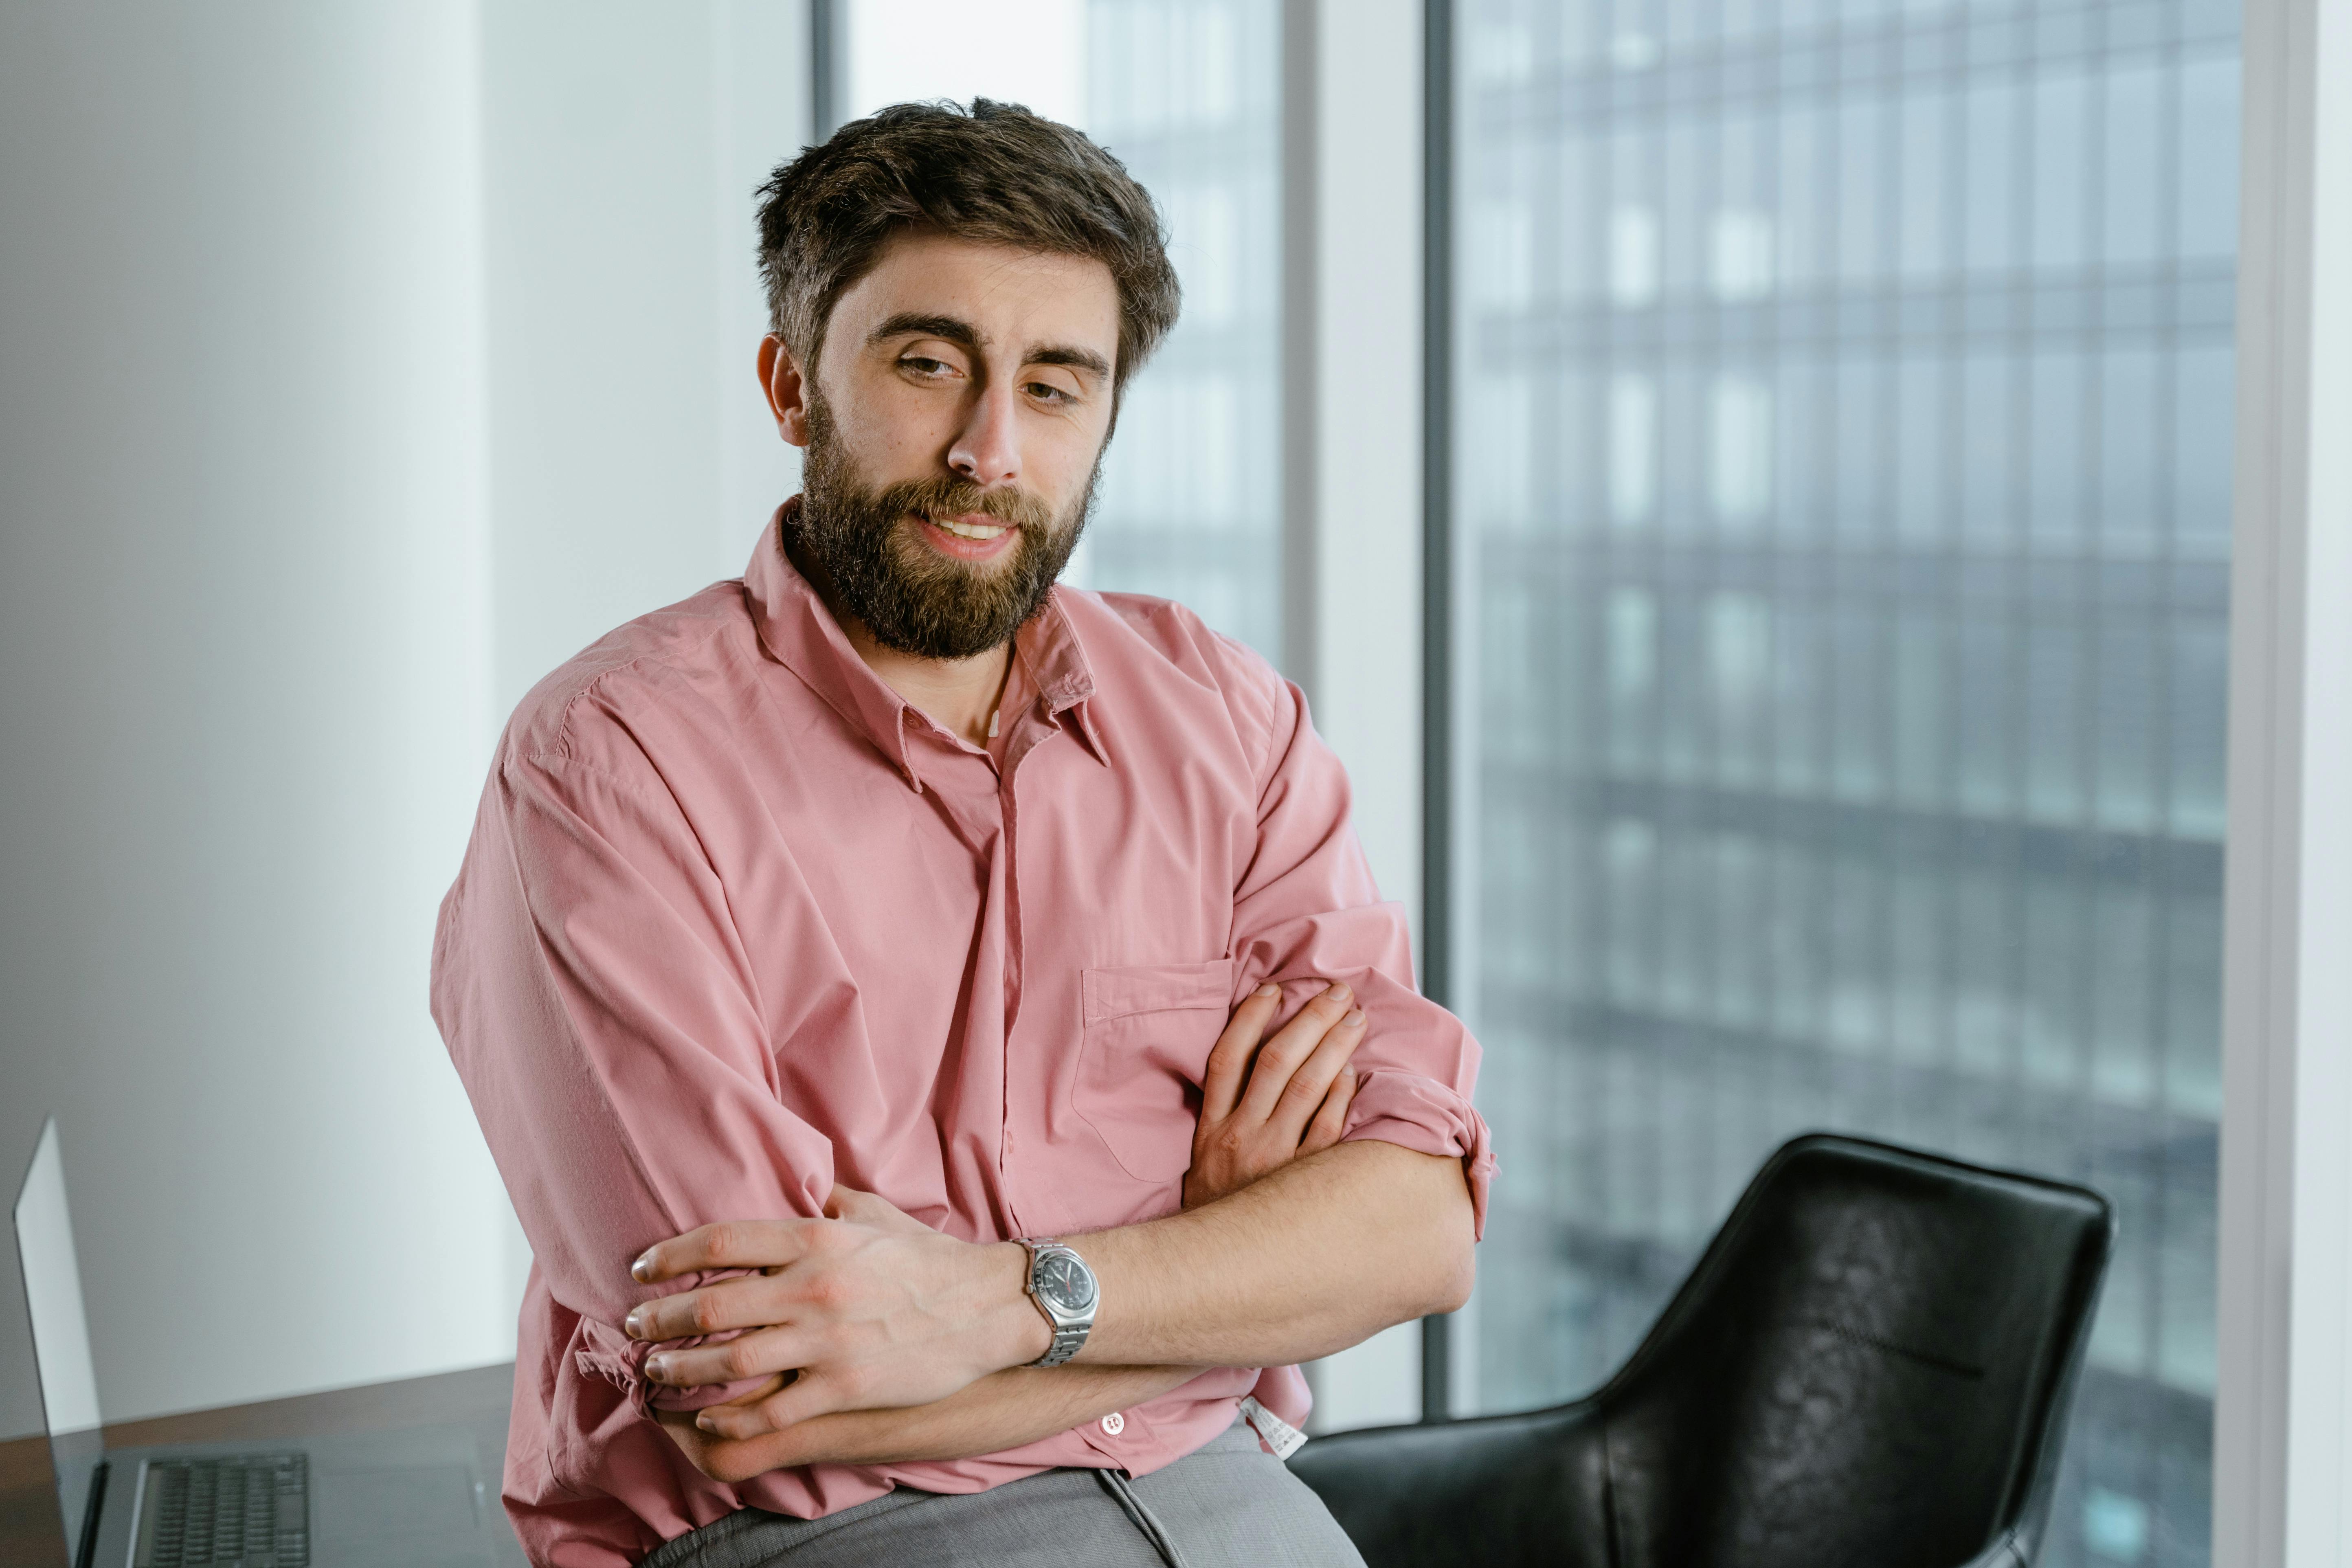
(796, 627)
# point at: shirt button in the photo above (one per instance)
(1114, 1424)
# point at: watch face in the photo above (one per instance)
(1065, 1282)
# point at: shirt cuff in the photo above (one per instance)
(1421, 1114)
(1283, 1390)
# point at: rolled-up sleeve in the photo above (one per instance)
(599, 1009)
(1306, 911)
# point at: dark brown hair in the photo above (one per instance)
(995, 173)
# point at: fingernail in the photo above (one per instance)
(1354, 1017)
(1339, 993)
(1269, 989)
(705, 1423)
(634, 1321)
(643, 1268)
(657, 1367)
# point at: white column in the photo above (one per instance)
(762, 83)
(1357, 510)
(1366, 676)
(2283, 1465)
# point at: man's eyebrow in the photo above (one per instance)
(914, 324)
(1076, 358)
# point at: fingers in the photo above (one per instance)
(1282, 1056)
(736, 1422)
(750, 1302)
(736, 1244)
(1323, 1130)
(1312, 1084)
(761, 1353)
(806, 1396)
(722, 1461)
(773, 1295)
(1221, 1085)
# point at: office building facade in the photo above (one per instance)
(1840, 530)
(1187, 93)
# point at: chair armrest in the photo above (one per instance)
(1496, 1490)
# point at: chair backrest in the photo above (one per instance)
(1870, 1364)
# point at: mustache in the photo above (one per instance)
(938, 498)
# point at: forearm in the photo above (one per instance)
(1003, 1411)
(1312, 1258)
(1309, 1260)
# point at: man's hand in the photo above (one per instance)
(1003, 1411)
(870, 1307)
(1263, 1106)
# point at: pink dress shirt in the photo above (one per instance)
(737, 923)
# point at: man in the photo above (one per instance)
(937, 1028)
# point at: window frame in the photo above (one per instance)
(2284, 1400)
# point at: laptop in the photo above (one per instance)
(405, 1498)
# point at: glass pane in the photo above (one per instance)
(1185, 92)
(1843, 522)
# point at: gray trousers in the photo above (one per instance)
(1229, 1505)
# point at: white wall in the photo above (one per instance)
(357, 362)
(242, 618)
(633, 459)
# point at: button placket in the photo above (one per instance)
(1008, 846)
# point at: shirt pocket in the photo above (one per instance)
(1148, 1029)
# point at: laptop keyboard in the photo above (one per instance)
(246, 1510)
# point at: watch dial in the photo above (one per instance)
(1064, 1282)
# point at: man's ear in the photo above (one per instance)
(787, 392)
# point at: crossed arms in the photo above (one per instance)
(879, 1340)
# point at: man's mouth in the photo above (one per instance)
(971, 536)
(968, 527)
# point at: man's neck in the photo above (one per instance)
(960, 694)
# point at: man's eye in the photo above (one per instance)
(923, 366)
(1046, 391)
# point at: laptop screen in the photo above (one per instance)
(45, 1249)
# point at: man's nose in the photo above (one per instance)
(987, 450)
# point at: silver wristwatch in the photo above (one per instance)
(1064, 1289)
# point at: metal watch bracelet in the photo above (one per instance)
(1063, 1291)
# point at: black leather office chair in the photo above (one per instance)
(1870, 1368)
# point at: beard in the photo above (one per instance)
(911, 598)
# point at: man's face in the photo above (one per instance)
(954, 431)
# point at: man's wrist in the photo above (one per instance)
(1025, 1332)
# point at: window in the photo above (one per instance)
(1841, 530)
(1185, 92)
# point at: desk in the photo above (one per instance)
(477, 1398)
